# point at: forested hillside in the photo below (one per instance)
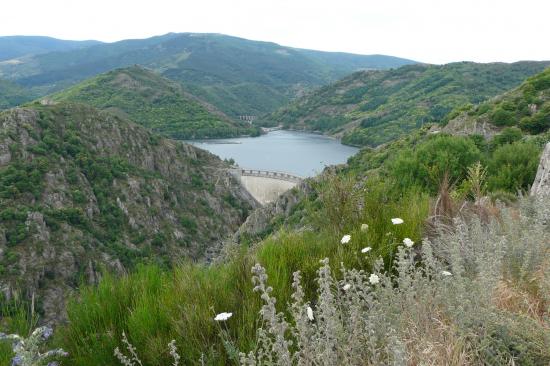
(83, 190)
(374, 107)
(156, 103)
(526, 107)
(238, 76)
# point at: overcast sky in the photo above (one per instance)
(434, 31)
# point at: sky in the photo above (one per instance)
(433, 31)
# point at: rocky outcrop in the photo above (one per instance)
(541, 185)
(83, 190)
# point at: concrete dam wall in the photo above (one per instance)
(266, 186)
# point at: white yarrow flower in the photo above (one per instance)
(345, 239)
(446, 273)
(374, 279)
(346, 287)
(397, 221)
(364, 227)
(366, 250)
(310, 313)
(221, 317)
(408, 242)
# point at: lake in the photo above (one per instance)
(299, 153)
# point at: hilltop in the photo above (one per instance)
(238, 76)
(83, 190)
(374, 107)
(156, 103)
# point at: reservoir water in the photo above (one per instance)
(300, 153)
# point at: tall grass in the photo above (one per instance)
(153, 306)
(16, 317)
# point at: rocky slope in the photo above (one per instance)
(156, 103)
(83, 190)
(374, 107)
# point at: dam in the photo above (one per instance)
(265, 186)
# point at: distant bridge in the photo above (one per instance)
(265, 186)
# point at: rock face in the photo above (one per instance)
(83, 190)
(541, 185)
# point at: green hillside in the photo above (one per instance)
(83, 190)
(156, 103)
(238, 76)
(374, 107)
(12, 94)
(526, 107)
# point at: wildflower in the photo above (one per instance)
(310, 313)
(446, 273)
(364, 227)
(366, 250)
(374, 279)
(223, 317)
(397, 221)
(346, 287)
(345, 239)
(408, 242)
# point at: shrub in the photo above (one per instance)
(513, 167)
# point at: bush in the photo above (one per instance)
(513, 167)
(431, 160)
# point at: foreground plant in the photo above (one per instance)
(27, 350)
(134, 360)
(453, 306)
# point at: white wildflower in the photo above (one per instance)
(364, 227)
(366, 250)
(310, 313)
(345, 239)
(374, 279)
(397, 221)
(446, 273)
(346, 287)
(223, 317)
(408, 242)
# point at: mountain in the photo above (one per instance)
(526, 107)
(374, 107)
(83, 190)
(17, 46)
(12, 94)
(238, 76)
(156, 103)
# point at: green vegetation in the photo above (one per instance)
(426, 160)
(374, 107)
(526, 107)
(156, 103)
(238, 76)
(104, 192)
(12, 95)
(148, 303)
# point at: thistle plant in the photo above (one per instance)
(27, 350)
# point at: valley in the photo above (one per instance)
(367, 210)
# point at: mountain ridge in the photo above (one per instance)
(238, 76)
